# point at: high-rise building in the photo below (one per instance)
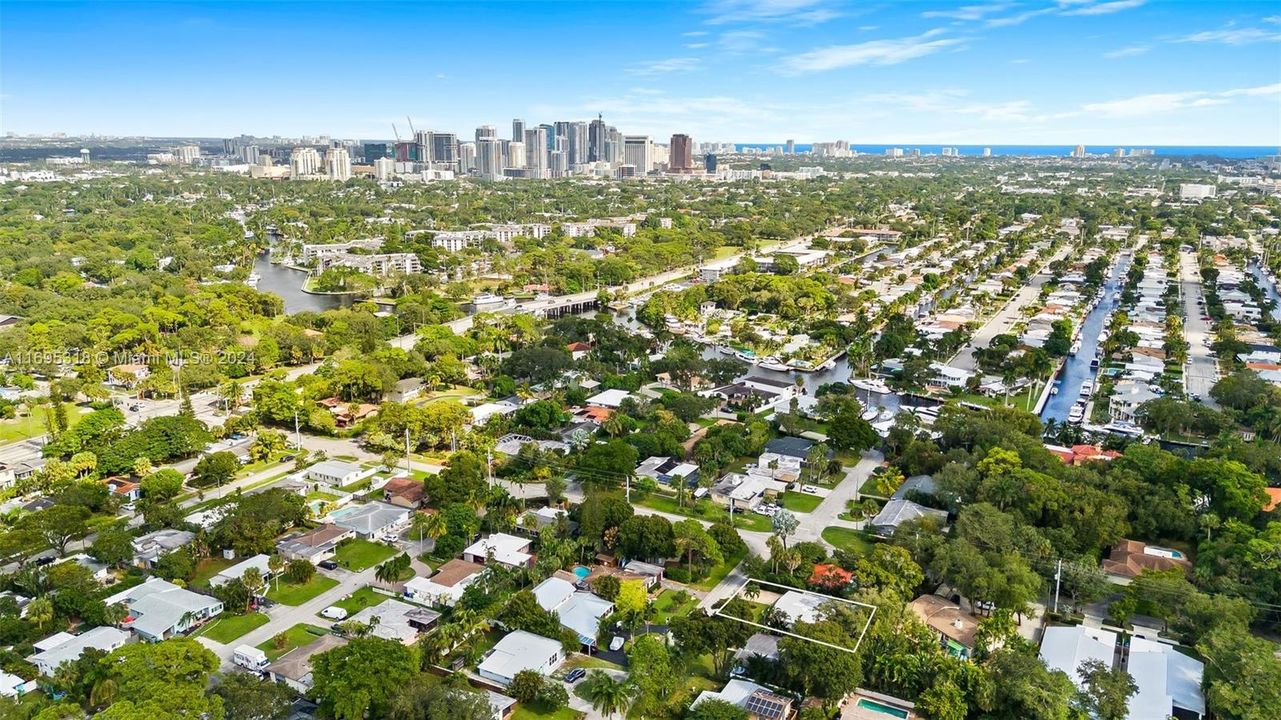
(709, 162)
(549, 131)
(987, 152)
(636, 151)
(187, 154)
(489, 157)
(84, 155)
(577, 143)
(536, 150)
(250, 153)
(338, 163)
(486, 131)
(1078, 151)
(680, 154)
(422, 139)
(518, 130)
(596, 139)
(790, 147)
(444, 149)
(373, 151)
(303, 161)
(466, 157)
(613, 145)
(558, 163)
(384, 168)
(516, 154)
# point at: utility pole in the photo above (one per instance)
(407, 468)
(489, 467)
(1058, 577)
(297, 432)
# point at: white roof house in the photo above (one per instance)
(372, 519)
(1065, 648)
(396, 620)
(898, 511)
(520, 650)
(505, 549)
(1166, 679)
(800, 606)
(446, 586)
(158, 609)
(71, 647)
(609, 398)
(579, 611)
(335, 472)
(235, 572)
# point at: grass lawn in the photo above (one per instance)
(295, 637)
(318, 495)
(291, 594)
(358, 486)
(743, 520)
(535, 712)
(358, 554)
(667, 607)
(800, 502)
(854, 541)
(361, 599)
(586, 662)
(32, 425)
(208, 567)
(226, 628)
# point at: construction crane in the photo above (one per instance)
(395, 132)
(412, 131)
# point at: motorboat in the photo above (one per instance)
(488, 301)
(1076, 347)
(870, 415)
(1087, 387)
(252, 280)
(1076, 414)
(772, 363)
(1054, 390)
(871, 385)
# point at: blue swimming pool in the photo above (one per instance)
(581, 572)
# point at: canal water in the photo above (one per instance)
(287, 283)
(1076, 370)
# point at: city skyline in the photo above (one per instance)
(1098, 72)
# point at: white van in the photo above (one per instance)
(333, 612)
(250, 658)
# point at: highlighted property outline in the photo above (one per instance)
(788, 633)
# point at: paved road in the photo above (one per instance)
(1202, 371)
(1010, 313)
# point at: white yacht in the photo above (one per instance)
(1076, 414)
(871, 385)
(772, 363)
(488, 301)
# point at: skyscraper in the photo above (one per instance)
(681, 154)
(486, 131)
(489, 157)
(790, 148)
(536, 150)
(636, 151)
(384, 168)
(709, 162)
(422, 139)
(444, 149)
(303, 161)
(549, 131)
(338, 163)
(516, 154)
(518, 130)
(577, 143)
(596, 138)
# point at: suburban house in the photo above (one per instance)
(294, 668)
(1131, 557)
(519, 650)
(759, 645)
(127, 375)
(955, 628)
(64, 647)
(795, 606)
(1065, 648)
(898, 511)
(611, 399)
(336, 473)
(396, 620)
(373, 519)
(578, 610)
(745, 491)
(502, 548)
(236, 572)
(149, 548)
(668, 471)
(158, 609)
(790, 446)
(502, 706)
(123, 488)
(315, 545)
(446, 585)
(12, 686)
(406, 390)
(404, 492)
(757, 701)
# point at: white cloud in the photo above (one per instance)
(695, 33)
(968, 12)
(1125, 52)
(661, 67)
(1105, 8)
(696, 46)
(1019, 18)
(1232, 36)
(740, 41)
(1164, 103)
(797, 12)
(1273, 89)
(872, 52)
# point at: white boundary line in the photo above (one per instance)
(855, 603)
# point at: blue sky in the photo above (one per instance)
(1126, 72)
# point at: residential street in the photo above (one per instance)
(1202, 371)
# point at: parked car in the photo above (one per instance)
(288, 458)
(811, 489)
(328, 564)
(575, 675)
(616, 644)
(333, 612)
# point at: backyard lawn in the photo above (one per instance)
(361, 599)
(720, 571)
(208, 567)
(226, 628)
(669, 606)
(357, 555)
(848, 539)
(801, 502)
(295, 637)
(293, 594)
(743, 519)
(32, 425)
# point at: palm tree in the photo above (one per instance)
(254, 583)
(40, 612)
(609, 696)
(276, 564)
(430, 525)
(103, 693)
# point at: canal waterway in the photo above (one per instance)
(286, 282)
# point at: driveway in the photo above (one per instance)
(1202, 371)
